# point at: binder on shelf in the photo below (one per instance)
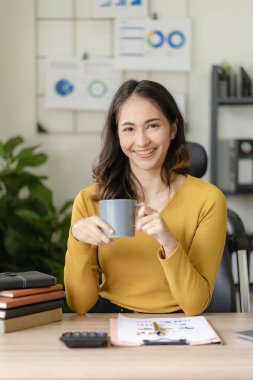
(235, 170)
(245, 83)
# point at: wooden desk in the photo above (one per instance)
(37, 353)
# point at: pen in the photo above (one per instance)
(158, 329)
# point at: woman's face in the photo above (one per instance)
(144, 133)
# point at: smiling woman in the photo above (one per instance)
(172, 261)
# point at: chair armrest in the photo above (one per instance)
(238, 242)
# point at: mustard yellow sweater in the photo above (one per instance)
(134, 275)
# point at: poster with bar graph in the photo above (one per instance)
(120, 8)
(146, 44)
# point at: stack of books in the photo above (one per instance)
(29, 299)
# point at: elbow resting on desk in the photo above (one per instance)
(80, 305)
(194, 307)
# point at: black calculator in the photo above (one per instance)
(85, 339)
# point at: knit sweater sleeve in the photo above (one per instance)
(81, 271)
(191, 275)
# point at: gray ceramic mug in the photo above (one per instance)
(120, 215)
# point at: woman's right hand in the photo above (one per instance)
(89, 230)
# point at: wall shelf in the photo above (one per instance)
(233, 100)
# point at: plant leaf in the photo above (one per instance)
(2, 149)
(34, 160)
(27, 152)
(66, 206)
(42, 193)
(28, 215)
(11, 144)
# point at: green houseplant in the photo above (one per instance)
(33, 233)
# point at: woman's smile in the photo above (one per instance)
(145, 153)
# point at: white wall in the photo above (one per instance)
(222, 29)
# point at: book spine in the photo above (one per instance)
(28, 321)
(10, 303)
(31, 309)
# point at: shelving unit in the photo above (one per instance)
(216, 102)
(233, 100)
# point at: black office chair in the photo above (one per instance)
(224, 295)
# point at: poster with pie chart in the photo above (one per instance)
(146, 44)
(73, 83)
(100, 80)
(62, 77)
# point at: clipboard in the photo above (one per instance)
(206, 333)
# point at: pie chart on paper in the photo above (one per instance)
(97, 88)
(64, 87)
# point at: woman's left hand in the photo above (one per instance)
(150, 222)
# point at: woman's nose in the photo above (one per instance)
(142, 138)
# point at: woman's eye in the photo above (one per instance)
(152, 126)
(128, 129)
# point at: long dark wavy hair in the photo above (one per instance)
(112, 171)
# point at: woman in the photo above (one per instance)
(172, 262)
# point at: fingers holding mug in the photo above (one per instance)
(92, 230)
(144, 210)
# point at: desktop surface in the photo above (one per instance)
(37, 353)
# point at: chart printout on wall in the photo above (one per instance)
(146, 44)
(73, 83)
(119, 8)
